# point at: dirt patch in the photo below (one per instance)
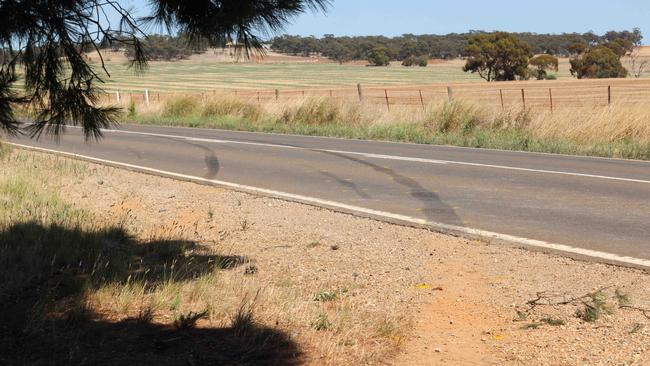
(349, 290)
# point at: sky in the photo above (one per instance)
(392, 18)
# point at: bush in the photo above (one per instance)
(378, 56)
(421, 61)
(131, 111)
(551, 77)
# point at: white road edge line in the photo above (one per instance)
(380, 156)
(436, 226)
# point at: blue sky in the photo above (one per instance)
(391, 17)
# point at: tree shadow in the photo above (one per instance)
(47, 274)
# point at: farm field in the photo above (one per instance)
(216, 71)
(279, 77)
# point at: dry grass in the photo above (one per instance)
(619, 130)
(71, 273)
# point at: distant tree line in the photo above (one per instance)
(158, 47)
(454, 45)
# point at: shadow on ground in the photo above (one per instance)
(46, 274)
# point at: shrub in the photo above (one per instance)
(378, 56)
(421, 61)
(131, 111)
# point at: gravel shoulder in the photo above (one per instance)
(405, 296)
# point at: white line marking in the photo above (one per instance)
(609, 257)
(380, 156)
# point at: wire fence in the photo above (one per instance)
(545, 95)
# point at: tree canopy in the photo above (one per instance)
(378, 56)
(498, 56)
(542, 63)
(598, 62)
(44, 41)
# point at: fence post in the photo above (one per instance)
(303, 94)
(503, 106)
(146, 97)
(258, 97)
(387, 102)
(421, 98)
(277, 94)
(360, 91)
(235, 92)
(117, 94)
(609, 95)
(450, 93)
(550, 98)
(523, 97)
(330, 93)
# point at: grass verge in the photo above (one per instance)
(86, 285)
(620, 131)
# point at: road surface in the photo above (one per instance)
(586, 203)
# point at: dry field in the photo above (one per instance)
(202, 275)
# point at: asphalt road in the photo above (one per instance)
(591, 203)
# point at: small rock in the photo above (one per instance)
(437, 350)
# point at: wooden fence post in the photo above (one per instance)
(117, 94)
(258, 97)
(609, 95)
(550, 98)
(360, 91)
(450, 93)
(421, 98)
(523, 97)
(146, 97)
(503, 106)
(387, 102)
(330, 93)
(277, 94)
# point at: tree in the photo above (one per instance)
(421, 61)
(497, 56)
(45, 41)
(542, 63)
(598, 62)
(378, 56)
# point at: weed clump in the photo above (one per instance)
(312, 112)
(233, 108)
(456, 116)
(180, 107)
